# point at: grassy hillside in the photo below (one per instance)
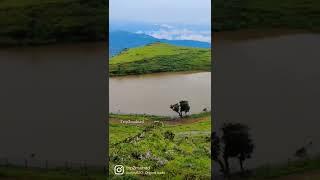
(160, 57)
(184, 156)
(50, 21)
(256, 14)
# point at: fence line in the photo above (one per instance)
(31, 163)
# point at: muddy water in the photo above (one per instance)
(52, 103)
(153, 94)
(272, 85)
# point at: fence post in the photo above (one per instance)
(25, 163)
(105, 170)
(85, 168)
(66, 165)
(47, 164)
(6, 162)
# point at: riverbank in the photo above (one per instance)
(36, 22)
(178, 147)
(251, 14)
(294, 170)
(20, 173)
(160, 57)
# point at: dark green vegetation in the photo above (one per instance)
(16, 173)
(266, 14)
(160, 57)
(237, 143)
(295, 167)
(51, 21)
(181, 107)
(178, 147)
(298, 169)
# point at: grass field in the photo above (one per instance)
(299, 169)
(293, 168)
(160, 57)
(50, 21)
(186, 154)
(261, 14)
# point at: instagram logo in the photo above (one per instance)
(118, 170)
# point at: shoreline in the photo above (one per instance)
(253, 34)
(52, 43)
(159, 73)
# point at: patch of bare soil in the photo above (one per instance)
(187, 120)
(175, 121)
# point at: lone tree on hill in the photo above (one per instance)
(237, 143)
(182, 106)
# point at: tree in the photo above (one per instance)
(216, 150)
(182, 106)
(236, 142)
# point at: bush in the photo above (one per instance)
(169, 135)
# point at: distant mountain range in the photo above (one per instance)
(120, 40)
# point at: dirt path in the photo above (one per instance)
(176, 121)
(184, 121)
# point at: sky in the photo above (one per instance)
(161, 11)
(170, 19)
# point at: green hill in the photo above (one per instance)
(50, 21)
(266, 14)
(178, 147)
(160, 57)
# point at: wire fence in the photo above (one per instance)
(32, 163)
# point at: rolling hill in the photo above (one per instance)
(266, 14)
(120, 40)
(51, 21)
(160, 57)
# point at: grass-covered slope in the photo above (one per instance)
(262, 14)
(160, 57)
(50, 21)
(185, 155)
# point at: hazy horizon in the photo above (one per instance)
(163, 19)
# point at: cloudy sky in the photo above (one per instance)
(161, 11)
(169, 15)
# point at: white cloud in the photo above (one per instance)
(180, 34)
(139, 32)
(166, 26)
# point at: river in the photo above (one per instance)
(270, 83)
(53, 101)
(154, 93)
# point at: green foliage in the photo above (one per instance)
(237, 143)
(289, 168)
(182, 106)
(181, 150)
(169, 135)
(50, 21)
(160, 57)
(255, 14)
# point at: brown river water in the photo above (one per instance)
(52, 104)
(271, 83)
(153, 94)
